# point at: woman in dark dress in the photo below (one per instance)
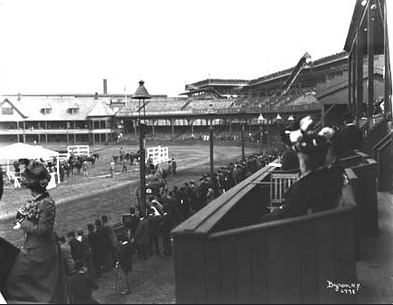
(289, 159)
(38, 274)
(320, 183)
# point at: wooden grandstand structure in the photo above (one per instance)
(222, 255)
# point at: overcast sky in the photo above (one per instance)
(70, 46)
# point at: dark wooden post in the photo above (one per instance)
(359, 75)
(370, 50)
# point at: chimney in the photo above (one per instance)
(105, 87)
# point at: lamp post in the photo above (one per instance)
(141, 95)
(242, 136)
(260, 121)
(210, 112)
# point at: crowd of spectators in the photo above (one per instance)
(102, 248)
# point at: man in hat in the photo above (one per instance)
(174, 167)
(82, 285)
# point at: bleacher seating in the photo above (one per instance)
(165, 105)
(204, 104)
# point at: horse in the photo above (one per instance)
(92, 159)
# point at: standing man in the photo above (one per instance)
(349, 139)
(85, 167)
(142, 237)
(174, 166)
(82, 285)
(113, 241)
(112, 167)
(124, 169)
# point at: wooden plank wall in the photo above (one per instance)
(366, 197)
(190, 266)
(283, 264)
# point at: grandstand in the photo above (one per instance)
(318, 88)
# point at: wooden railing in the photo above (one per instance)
(223, 256)
(365, 190)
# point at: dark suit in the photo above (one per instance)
(142, 238)
(289, 161)
(77, 250)
(81, 287)
(347, 140)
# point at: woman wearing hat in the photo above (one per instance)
(320, 183)
(38, 274)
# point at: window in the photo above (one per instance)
(7, 110)
(46, 110)
(74, 108)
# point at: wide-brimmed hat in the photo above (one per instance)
(35, 175)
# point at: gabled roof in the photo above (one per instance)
(30, 107)
(101, 109)
(13, 106)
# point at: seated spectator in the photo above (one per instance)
(349, 138)
(82, 285)
(319, 186)
(289, 159)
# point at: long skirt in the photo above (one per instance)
(38, 275)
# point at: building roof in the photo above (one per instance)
(283, 73)
(55, 108)
(101, 109)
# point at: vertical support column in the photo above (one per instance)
(173, 127)
(74, 134)
(370, 51)
(230, 127)
(260, 137)
(152, 127)
(354, 79)
(17, 128)
(388, 88)
(192, 126)
(211, 152)
(142, 168)
(24, 132)
(350, 101)
(359, 75)
(243, 154)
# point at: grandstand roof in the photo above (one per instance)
(283, 73)
(216, 82)
(359, 20)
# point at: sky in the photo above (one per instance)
(70, 46)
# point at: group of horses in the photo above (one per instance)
(77, 162)
(129, 157)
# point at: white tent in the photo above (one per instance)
(18, 151)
